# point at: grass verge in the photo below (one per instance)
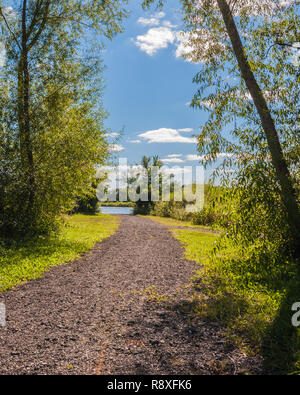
(253, 300)
(173, 222)
(27, 260)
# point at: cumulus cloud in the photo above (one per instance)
(160, 37)
(153, 20)
(187, 130)
(183, 46)
(155, 39)
(172, 160)
(197, 47)
(148, 21)
(165, 135)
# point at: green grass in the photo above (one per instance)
(173, 222)
(252, 300)
(27, 260)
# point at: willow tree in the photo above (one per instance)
(248, 84)
(52, 130)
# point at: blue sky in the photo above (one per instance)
(148, 88)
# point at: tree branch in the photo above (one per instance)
(9, 29)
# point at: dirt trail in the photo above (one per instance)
(119, 309)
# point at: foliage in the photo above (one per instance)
(204, 217)
(251, 292)
(147, 163)
(89, 202)
(214, 212)
(234, 129)
(26, 260)
(171, 209)
(52, 132)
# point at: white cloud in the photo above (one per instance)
(191, 158)
(160, 37)
(165, 135)
(134, 141)
(155, 39)
(183, 47)
(172, 160)
(116, 148)
(199, 46)
(168, 24)
(187, 130)
(195, 157)
(148, 21)
(153, 20)
(174, 156)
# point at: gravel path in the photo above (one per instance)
(119, 309)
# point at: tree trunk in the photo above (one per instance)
(288, 194)
(23, 114)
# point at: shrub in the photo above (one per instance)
(206, 216)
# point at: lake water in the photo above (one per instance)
(116, 210)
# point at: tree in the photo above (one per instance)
(144, 207)
(288, 193)
(51, 88)
(241, 37)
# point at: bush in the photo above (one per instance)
(88, 204)
(142, 208)
(171, 209)
(161, 209)
(205, 217)
(63, 171)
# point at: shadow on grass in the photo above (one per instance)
(281, 344)
(36, 248)
(28, 261)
